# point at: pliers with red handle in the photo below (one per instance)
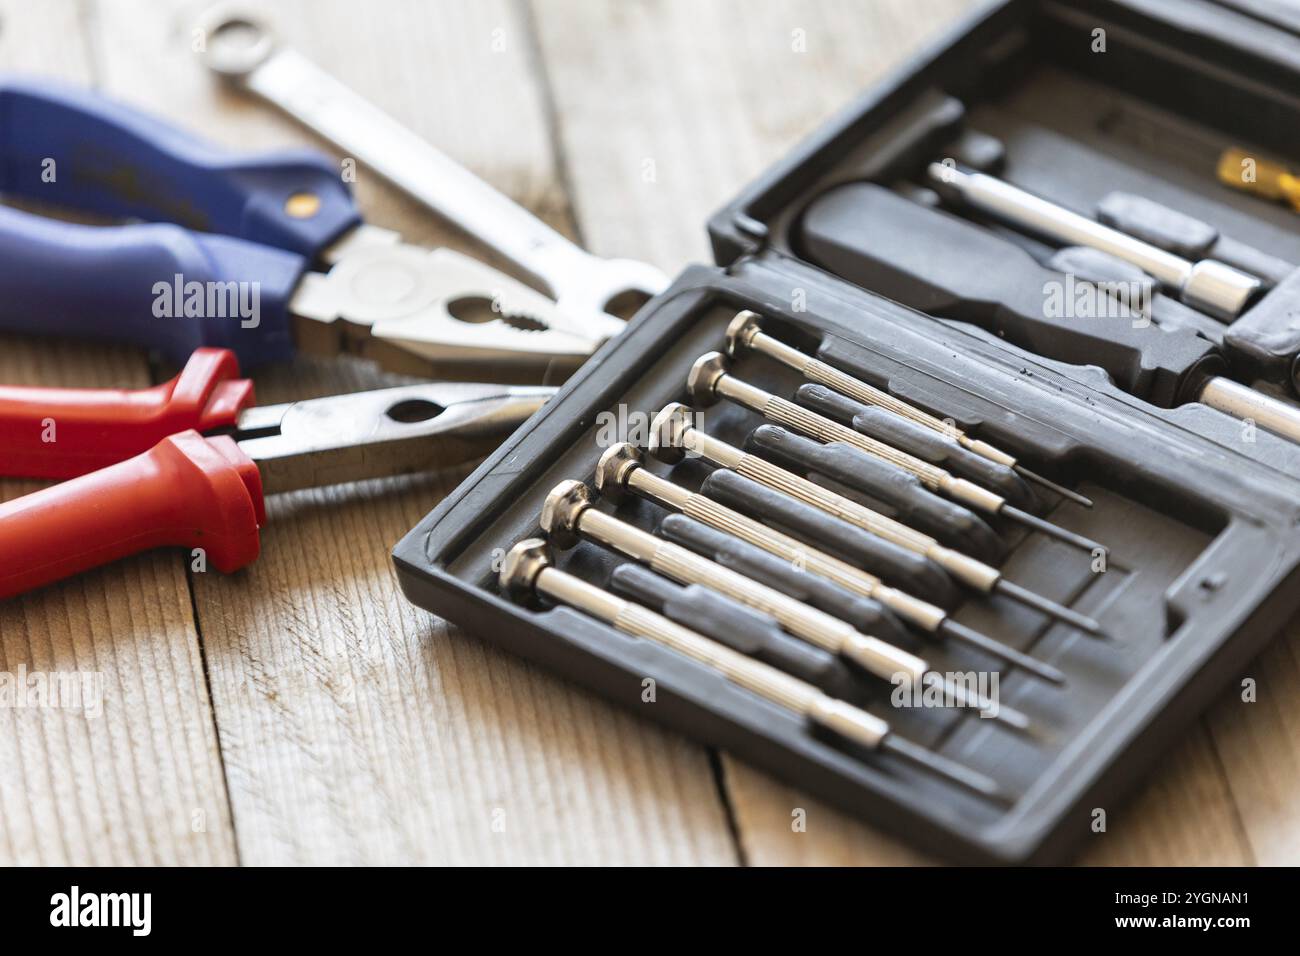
(187, 463)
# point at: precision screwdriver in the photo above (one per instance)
(672, 436)
(814, 590)
(899, 493)
(738, 626)
(709, 380)
(864, 613)
(848, 542)
(746, 332)
(528, 570)
(567, 517)
(917, 441)
(621, 469)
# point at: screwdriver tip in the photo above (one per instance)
(1010, 716)
(1050, 485)
(1003, 652)
(1055, 531)
(1053, 675)
(974, 700)
(1053, 610)
(963, 776)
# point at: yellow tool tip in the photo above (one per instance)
(1261, 177)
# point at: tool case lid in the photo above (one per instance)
(1157, 49)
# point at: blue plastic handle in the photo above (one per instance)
(76, 148)
(157, 285)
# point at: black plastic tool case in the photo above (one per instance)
(1202, 524)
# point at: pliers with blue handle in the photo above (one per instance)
(259, 254)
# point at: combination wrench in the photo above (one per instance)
(245, 51)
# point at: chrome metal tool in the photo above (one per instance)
(207, 491)
(673, 435)
(746, 333)
(567, 517)
(256, 253)
(242, 48)
(710, 380)
(529, 570)
(621, 469)
(1208, 285)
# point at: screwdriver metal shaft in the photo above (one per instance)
(739, 627)
(897, 565)
(1207, 284)
(709, 380)
(567, 517)
(917, 441)
(745, 332)
(866, 614)
(622, 469)
(673, 435)
(888, 490)
(528, 570)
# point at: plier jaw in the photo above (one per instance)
(382, 433)
(434, 313)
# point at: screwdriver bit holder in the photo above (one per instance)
(1201, 526)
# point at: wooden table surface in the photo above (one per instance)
(301, 712)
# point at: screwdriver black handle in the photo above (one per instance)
(738, 626)
(893, 491)
(896, 565)
(920, 442)
(953, 269)
(865, 614)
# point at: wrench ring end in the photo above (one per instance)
(238, 40)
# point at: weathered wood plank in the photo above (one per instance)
(133, 775)
(694, 100)
(1258, 745)
(355, 728)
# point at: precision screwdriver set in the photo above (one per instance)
(971, 473)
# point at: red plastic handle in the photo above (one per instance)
(65, 432)
(187, 491)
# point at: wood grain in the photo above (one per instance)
(354, 727)
(1258, 746)
(694, 100)
(136, 778)
(351, 727)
